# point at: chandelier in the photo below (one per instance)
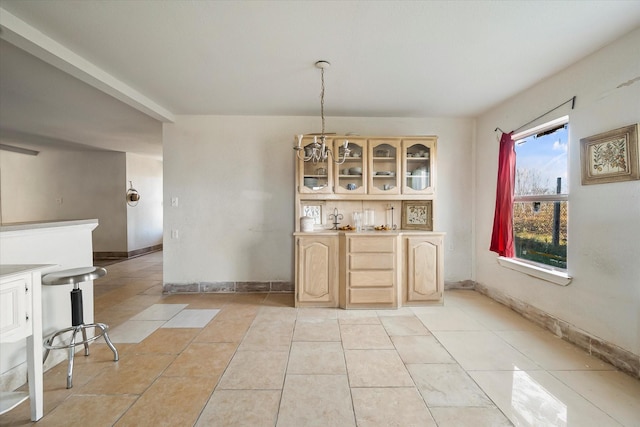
(318, 150)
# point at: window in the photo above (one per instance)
(541, 194)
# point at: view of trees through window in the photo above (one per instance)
(540, 208)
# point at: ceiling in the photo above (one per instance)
(105, 74)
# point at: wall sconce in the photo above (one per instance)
(133, 197)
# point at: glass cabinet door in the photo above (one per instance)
(384, 166)
(418, 161)
(351, 175)
(315, 176)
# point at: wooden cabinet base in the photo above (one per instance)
(369, 270)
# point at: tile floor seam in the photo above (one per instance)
(457, 363)
(284, 377)
(582, 395)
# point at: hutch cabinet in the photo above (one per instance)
(381, 266)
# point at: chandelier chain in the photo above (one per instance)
(319, 151)
(322, 99)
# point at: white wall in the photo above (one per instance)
(144, 221)
(604, 220)
(234, 180)
(88, 183)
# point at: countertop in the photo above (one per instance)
(11, 269)
(34, 225)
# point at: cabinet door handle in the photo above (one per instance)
(27, 316)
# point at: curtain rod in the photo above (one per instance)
(573, 104)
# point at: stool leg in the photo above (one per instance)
(84, 339)
(49, 342)
(105, 328)
(72, 346)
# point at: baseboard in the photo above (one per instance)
(228, 287)
(16, 377)
(462, 284)
(103, 256)
(622, 359)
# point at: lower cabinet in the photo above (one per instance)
(369, 270)
(423, 269)
(15, 302)
(316, 271)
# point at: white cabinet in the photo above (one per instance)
(21, 317)
(15, 308)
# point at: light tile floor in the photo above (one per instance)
(255, 360)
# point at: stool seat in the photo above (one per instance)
(73, 276)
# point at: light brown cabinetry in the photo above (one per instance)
(423, 269)
(316, 272)
(418, 165)
(368, 271)
(313, 177)
(350, 176)
(382, 167)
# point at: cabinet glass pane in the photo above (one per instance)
(316, 174)
(418, 167)
(350, 172)
(384, 167)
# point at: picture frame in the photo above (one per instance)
(417, 215)
(316, 211)
(610, 156)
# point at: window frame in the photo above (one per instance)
(542, 271)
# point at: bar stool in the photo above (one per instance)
(74, 277)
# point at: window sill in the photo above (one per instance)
(556, 277)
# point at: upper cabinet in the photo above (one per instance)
(313, 176)
(418, 160)
(384, 164)
(351, 175)
(373, 166)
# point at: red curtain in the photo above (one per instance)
(502, 237)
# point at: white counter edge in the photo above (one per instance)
(36, 227)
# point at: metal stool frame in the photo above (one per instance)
(75, 277)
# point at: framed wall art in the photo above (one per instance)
(316, 211)
(610, 156)
(417, 215)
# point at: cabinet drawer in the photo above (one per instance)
(372, 261)
(372, 244)
(371, 279)
(371, 296)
